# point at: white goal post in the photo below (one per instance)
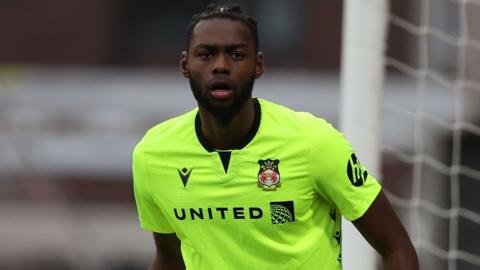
(361, 80)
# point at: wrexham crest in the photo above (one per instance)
(268, 175)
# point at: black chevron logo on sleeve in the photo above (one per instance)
(184, 175)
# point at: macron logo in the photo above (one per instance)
(184, 175)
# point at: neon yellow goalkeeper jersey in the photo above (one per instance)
(277, 205)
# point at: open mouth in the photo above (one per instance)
(221, 90)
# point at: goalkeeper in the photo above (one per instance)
(244, 183)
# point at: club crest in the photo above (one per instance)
(269, 175)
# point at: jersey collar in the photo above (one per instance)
(247, 139)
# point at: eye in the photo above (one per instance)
(205, 55)
(237, 55)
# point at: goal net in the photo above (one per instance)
(431, 128)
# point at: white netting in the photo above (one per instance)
(431, 140)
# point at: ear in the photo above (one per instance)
(183, 64)
(260, 65)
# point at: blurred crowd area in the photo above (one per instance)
(81, 81)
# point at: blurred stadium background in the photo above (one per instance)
(81, 81)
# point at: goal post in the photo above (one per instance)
(361, 83)
(431, 128)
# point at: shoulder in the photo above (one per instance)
(168, 131)
(304, 123)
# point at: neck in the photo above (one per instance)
(224, 136)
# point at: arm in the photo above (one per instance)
(388, 237)
(167, 254)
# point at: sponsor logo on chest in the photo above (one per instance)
(280, 212)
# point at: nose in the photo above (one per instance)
(221, 65)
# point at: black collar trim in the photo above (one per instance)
(248, 138)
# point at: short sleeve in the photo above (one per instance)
(339, 177)
(150, 214)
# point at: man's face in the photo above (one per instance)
(221, 65)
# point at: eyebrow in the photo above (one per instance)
(228, 47)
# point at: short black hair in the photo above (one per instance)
(234, 13)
